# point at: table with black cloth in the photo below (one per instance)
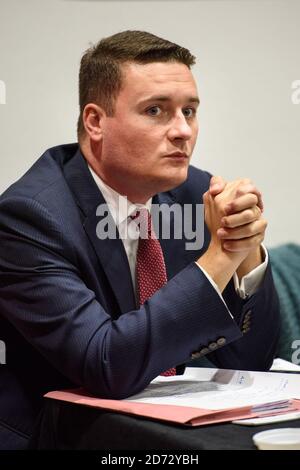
(68, 426)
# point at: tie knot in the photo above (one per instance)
(142, 218)
(142, 213)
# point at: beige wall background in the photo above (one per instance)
(248, 61)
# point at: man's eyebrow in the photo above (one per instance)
(191, 99)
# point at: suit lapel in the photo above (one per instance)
(110, 252)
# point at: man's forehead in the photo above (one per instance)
(157, 78)
(158, 70)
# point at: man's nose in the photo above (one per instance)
(180, 128)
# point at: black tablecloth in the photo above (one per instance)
(67, 426)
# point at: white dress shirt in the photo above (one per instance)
(121, 209)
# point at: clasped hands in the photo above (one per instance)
(233, 214)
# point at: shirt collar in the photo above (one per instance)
(120, 207)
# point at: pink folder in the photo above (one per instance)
(172, 413)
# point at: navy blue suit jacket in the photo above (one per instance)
(68, 314)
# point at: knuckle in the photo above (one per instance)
(259, 238)
(222, 210)
(241, 191)
(226, 222)
(215, 179)
(252, 230)
(248, 215)
(253, 200)
(246, 181)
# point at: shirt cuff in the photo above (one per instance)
(214, 286)
(251, 282)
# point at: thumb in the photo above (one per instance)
(217, 185)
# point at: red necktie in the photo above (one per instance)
(150, 265)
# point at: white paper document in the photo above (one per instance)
(283, 365)
(216, 389)
(290, 416)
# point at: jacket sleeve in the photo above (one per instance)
(259, 320)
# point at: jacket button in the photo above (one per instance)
(204, 351)
(221, 341)
(212, 346)
(248, 315)
(195, 355)
(245, 330)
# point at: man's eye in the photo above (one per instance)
(154, 111)
(189, 112)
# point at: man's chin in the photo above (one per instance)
(175, 178)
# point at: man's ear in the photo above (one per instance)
(92, 120)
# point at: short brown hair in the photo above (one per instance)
(100, 76)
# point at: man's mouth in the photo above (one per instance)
(177, 155)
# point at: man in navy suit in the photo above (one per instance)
(69, 314)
